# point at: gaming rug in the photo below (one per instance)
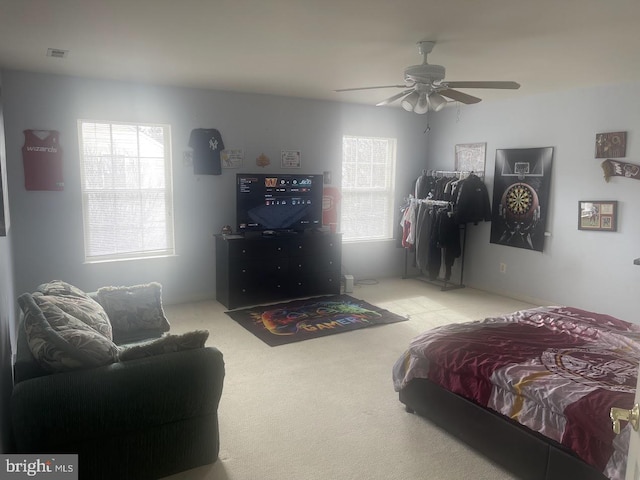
(299, 320)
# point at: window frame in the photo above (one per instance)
(388, 191)
(167, 190)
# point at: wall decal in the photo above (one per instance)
(262, 160)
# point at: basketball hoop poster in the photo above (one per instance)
(42, 159)
(521, 197)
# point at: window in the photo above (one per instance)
(368, 170)
(126, 190)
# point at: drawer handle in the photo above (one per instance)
(330, 262)
(278, 267)
(300, 247)
(279, 248)
(244, 270)
(244, 251)
(244, 290)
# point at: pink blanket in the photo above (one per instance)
(556, 370)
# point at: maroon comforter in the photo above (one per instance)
(556, 370)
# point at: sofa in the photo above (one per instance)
(145, 409)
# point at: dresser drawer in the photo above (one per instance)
(257, 249)
(252, 271)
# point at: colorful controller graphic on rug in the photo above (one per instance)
(317, 316)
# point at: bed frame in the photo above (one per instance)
(523, 452)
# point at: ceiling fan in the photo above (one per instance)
(425, 88)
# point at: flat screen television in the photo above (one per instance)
(278, 202)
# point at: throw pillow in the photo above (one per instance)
(134, 310)
(60, 342)
(166, 344)
(78, 304)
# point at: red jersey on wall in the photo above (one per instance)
(42, 158)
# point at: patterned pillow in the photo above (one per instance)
(166, 344)
(60, 342)
(134, 310)
(78, 304)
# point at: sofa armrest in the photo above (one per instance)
(56, 410)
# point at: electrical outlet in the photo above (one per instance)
(503, 268)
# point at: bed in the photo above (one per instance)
(531, 390)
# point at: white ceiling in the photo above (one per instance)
(308, 48)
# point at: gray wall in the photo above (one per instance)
(48, 225)
(591, 270)
(7, 308)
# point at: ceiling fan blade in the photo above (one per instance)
(501, 85)
(370, 88)
(394, 98)
(459, 96)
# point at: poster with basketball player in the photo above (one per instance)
(521, 197)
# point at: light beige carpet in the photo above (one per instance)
(325, 408)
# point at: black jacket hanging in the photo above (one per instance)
(472, 201)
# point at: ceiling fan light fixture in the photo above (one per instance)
(422, 106)
(437, 102)
(409, 102)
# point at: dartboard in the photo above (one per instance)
(519, 199)
(519, 202)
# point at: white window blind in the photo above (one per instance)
(127, 197)
(368, 173)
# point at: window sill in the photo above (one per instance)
(368, 240)
(128, 259)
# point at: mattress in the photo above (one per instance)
(555, 370)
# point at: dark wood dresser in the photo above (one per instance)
(257, 269)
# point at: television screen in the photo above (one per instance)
(278, 201)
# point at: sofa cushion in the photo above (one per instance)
(78, 304)
(165, 344)
(134, 312)
(59, 341)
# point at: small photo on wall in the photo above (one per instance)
(470, 157)
(232, 158)
(611, 145)
(598, 215)
(291, 159)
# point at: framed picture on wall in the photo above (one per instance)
(598, 215)
(611, 145)
(470, 157)
(290, 158)
(232, 158)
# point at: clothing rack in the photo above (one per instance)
(442, 282)
(444, 173)
(445, 284)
